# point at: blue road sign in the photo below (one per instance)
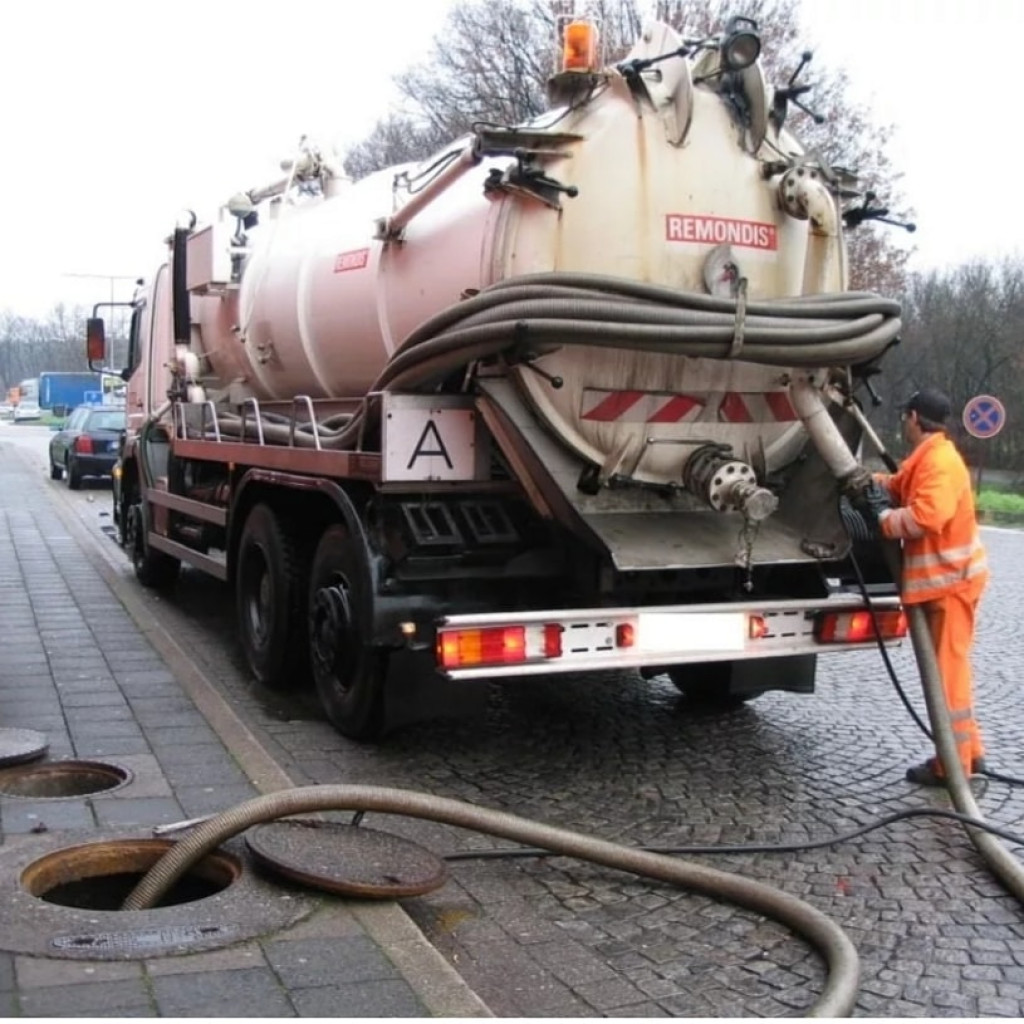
(984, 416)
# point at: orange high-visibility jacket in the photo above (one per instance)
(942, 553)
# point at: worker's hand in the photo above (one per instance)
(871, 502)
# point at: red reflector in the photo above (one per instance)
(83, 444)
(858, 627)
(467, 648)
(553, 640)
(757, 627)
(625, 634)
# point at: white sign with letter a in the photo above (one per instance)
(430, 437)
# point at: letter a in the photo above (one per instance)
(420, 450)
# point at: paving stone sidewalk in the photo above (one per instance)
(78, 667)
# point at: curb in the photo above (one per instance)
(438, 985)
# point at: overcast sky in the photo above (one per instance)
(114, 116)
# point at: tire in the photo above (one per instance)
(154, 569)
(706, 686)
(348, 673)
(74, 476)
(56, 472)
(270, 598)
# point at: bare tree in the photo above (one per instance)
(964, 332)
(491, 62)
(31, 346)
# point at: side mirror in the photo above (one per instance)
(95, 341)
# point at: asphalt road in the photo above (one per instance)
(613, 756)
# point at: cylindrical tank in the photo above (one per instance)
(324, 301)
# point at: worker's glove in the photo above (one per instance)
(871, 502)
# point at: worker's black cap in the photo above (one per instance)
(930, 404)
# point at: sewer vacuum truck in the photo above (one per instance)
(569, 395)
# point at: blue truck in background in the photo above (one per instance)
(61, 392)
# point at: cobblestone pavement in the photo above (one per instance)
(626, 760)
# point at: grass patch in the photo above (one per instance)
(1000, 502)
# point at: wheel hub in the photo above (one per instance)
(258, 603)
(332, 620)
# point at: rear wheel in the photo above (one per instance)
(707, 685)
(348, 673)
(153, 568)
(271, 600)
(74, 476)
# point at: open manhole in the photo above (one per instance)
(100, 876)
(61, 894)
(56, 780)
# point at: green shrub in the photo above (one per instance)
(1000, 501)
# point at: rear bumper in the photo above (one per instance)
(94, 465)
(619, 638)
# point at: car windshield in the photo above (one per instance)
(112, 420)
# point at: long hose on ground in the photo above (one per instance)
(1003, 864)
(843, 966)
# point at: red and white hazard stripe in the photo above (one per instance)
(602, 406)
(639, 407)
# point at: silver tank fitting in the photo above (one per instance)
(727, 484)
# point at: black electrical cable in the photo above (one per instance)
(885, 650)
(845, 837)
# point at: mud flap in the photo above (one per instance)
(793, 673)
(414, 691)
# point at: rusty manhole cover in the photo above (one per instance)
(347, 859)
(20, 745)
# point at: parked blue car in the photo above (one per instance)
(88, 444)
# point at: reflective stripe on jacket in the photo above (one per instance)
(935, 519)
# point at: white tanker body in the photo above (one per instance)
(569, 365)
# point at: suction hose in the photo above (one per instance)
(1003, 864)
(833, 449)
(843, 966)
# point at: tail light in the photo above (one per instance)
(858, 627)
(466, 648)
(83, 445)
(757, 627)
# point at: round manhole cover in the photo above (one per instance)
(20, 745)
(347, 859)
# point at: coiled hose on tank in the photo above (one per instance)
(843, 965)
(538, 312)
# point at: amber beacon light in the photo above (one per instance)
(579, 46)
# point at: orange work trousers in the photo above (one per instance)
(951, 624)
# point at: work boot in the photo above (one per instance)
(930, 772)
(926, 774)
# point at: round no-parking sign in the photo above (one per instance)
(984, 416)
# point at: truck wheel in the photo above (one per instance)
(706, 685)
(154, 569)
(349, 675)
(271, 595)
(56, 472)
(74, 476)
